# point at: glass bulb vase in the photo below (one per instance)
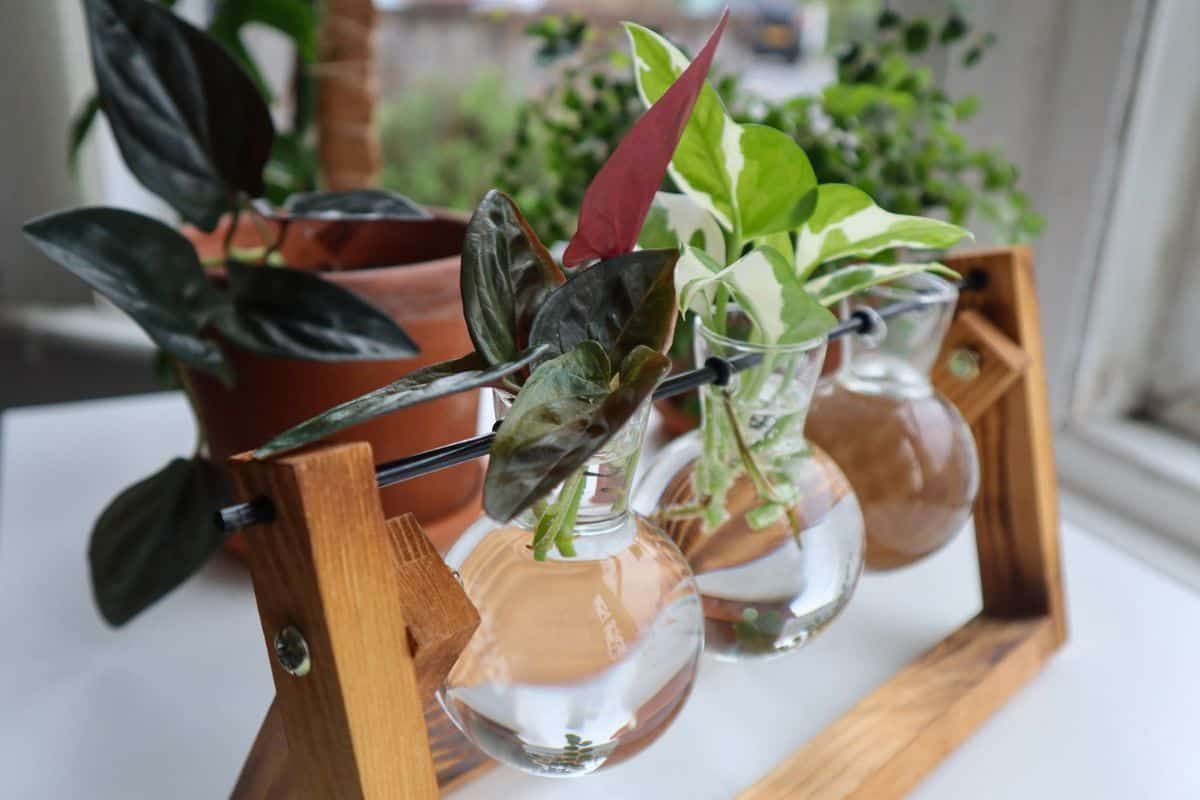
(579, 661)
(768, 522)
(905, 448)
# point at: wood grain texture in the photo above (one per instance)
(439, 616)
(347, 93)
(1001, 363)
(265, 774)
(1016, 514)
(884, 745)
(354, 725)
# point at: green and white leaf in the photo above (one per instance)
(675, 220)
(763, 284)
(846, 281)
(846, 223)
(754, 179)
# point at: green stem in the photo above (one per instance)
(563, 540)
(761, 484)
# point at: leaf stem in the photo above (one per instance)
(231, 230)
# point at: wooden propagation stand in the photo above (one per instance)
(362, 619)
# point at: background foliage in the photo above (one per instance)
(884, 126)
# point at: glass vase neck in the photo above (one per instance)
(604, 519)
(783, 381)
(899, 361)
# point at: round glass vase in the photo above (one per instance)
(907, 451)
(768, 523)
(579, 661)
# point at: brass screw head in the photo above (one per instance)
(963, 363)
(292, 651)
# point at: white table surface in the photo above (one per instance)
(167, 706)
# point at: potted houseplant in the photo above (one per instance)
(257, 347)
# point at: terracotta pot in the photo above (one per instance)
(420, 291)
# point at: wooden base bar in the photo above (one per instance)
(897, 734)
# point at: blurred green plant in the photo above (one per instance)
(441, 142)
(884, 126)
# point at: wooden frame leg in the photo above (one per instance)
(325, 570)
(892, 738)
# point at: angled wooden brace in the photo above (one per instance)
(362, 621)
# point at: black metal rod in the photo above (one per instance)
(715, 371)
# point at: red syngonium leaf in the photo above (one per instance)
(616, 203)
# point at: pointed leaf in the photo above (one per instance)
(81, 125)
(562, 417)
(146, 268)
(356, 205)
(841, 283)
(706, 163)
(676, 220)
(846, 223)
(621, 302)
(507, 274)
(292, 314)
(154, 536)
(188, 120)
(420, 386)
(615, 204)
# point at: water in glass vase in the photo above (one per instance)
(777, 555)
(582, 661)
(917, 474)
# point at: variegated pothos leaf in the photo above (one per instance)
(846, 223)
(763, 284)
(752, 178)
(676, 220)
(843, 282)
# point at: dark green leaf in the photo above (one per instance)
(887, 19)
(296, 19)
(357, 204)
(154, 536)
(291, 168)
(189, 122)
(81, 123)
(621, 302)
(507, 274)
(917, 36)
(293, 314)
(419, 386)
(956, 28)
(146, 268)
(562, 417)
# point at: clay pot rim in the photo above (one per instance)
(435, 265)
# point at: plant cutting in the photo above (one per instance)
(769, 523)
(592, 613)
(193, 127)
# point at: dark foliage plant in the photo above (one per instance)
(194, 128)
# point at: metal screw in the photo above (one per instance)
(964, 363)
(292, 651)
